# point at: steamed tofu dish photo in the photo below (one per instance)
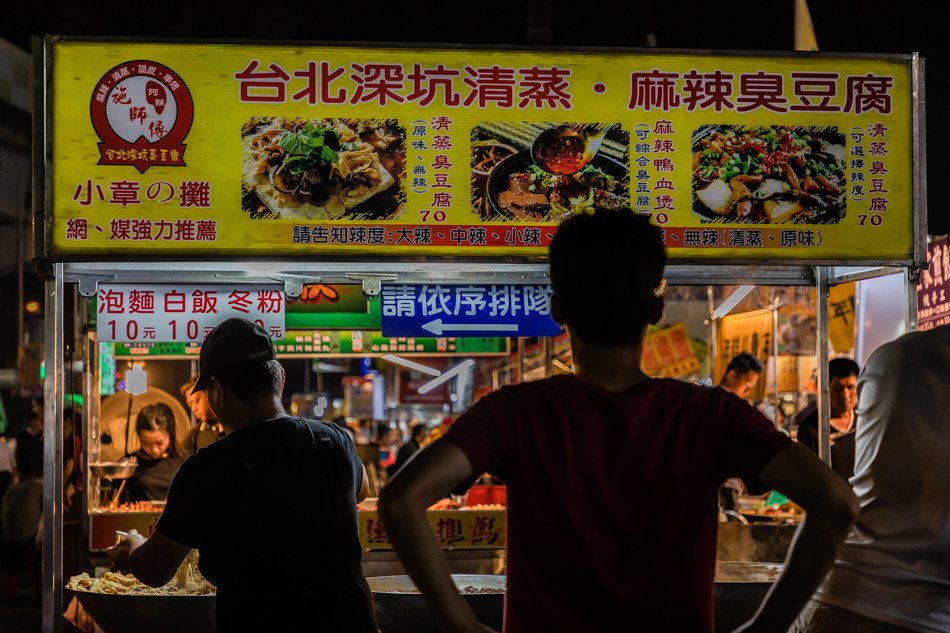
(769, 175)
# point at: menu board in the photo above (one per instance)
(183, 150)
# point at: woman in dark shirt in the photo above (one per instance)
(159, 455)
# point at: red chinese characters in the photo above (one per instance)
(391, 83)
(797, 91)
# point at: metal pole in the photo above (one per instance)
(774, 352)
(824, 401)
(910, 292)
(711, 349)
(547, 349)
(520, 359)
(53, 456)
(20, 256)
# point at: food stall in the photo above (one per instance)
(415, 172)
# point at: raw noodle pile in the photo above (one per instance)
(187, 581)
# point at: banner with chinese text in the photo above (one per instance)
(749, 332)
(933, 291)
(841, 321)
(253, 150)
(156, 313)
(667, 353)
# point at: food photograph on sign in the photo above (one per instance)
(548, 171)
(323, 169)
(769, 175)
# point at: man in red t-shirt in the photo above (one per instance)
(612, 476)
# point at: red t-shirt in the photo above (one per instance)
(612, 497)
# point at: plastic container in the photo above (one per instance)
(499, 495)
(478, 495)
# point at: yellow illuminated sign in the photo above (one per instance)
(177, 150)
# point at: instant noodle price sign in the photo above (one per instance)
(193, 149)
(152, 313)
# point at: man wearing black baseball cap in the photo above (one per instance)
(234, 345)
(271, 478)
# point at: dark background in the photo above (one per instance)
(857, 26)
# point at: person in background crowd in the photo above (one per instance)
(7, 464)
(740, 377)
(741, 374)
(159, 456)
(208, 430)
(21, 512)
(386, 439)
(597, 449)
(72, 455)
(270, 507)
(893, 571)
(30, 439)
(340, 421)
(843, 397)
(418, 434)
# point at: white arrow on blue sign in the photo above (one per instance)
(467, 310)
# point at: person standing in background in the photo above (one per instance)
(418, 433)
(741, 375)
(21, 513)
(843, 397)
(893, 571)
(208, 429)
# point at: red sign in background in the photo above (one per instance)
(933, 291)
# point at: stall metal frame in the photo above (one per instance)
(294, 273)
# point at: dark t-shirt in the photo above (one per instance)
(200, 436)
(152, 477)
(612, 497)
(273, 516)
(842, 445)
(405, 451)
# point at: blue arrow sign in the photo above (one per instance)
(467, 310)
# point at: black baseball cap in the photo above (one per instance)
(231, 346)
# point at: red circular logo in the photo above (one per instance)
(142, 112)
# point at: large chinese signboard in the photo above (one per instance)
(177, 150)
(933, 291)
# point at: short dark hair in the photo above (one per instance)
(418, 430)
(605, 269)
(842, 368)
(159, 417)
(743, 363)
(252, 381)
(187, 386)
